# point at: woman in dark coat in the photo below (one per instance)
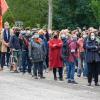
(92, 58)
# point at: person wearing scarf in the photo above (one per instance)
(37, 53)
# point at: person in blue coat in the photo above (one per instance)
(92, 58)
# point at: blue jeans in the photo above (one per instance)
(71, 71)
(66, 64)
(26, 62)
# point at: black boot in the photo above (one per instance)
(96, 84)
(89, 84)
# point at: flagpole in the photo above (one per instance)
(0, 16)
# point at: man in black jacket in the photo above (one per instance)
(15, 49)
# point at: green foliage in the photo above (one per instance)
(66, 13)
(95, 4)
(73, 13)
(31, 12)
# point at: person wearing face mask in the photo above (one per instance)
(82, 66)
(92, 58)
(65, 49)
(80, 43)
(15, 47)
(55, 56)
(42, 36)
(72, 58)
(37, 54)
(5, 51)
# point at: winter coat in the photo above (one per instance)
(81, 44)
(37, 51)
(24, 44)
(65, 49)
(92, 51)
(81, 50)
(55, 53)
(73, 54)
(4, 40)
(15, 43)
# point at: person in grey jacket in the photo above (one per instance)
(37, 53)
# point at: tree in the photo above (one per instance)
(66, 13)
(31, 12)
(95, 5)
(73, 13)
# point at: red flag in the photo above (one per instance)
(4, 6)
(3, 9)
(0, 22)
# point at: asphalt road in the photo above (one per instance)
(24, 87)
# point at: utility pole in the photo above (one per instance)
(50, 13)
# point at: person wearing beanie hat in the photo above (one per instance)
(36, 35)
(36, 38)
(37, 53)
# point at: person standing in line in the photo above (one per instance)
(15, 48)
(5, 37)
(55, 56)
(92, 58)
(81, 56)
(72, 57)
(37, 55)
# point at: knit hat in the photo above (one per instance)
(35, 36)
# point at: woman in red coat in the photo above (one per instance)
(55, 56)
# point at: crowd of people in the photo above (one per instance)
(36, 50)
